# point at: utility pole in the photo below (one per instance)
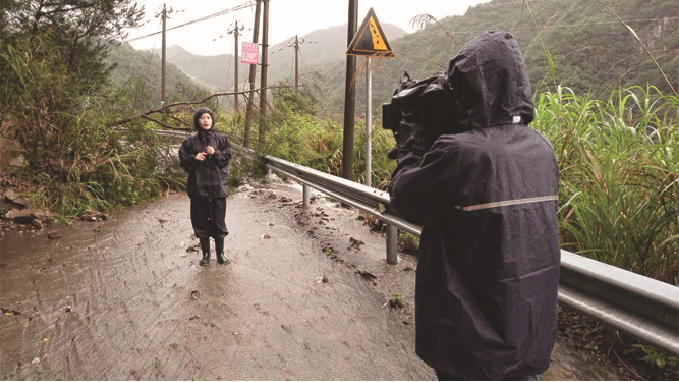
(253, 77)
(235, 67)
(265, 70)
(164, 54)
(235, 32)
(349, 98)
(296, 45)
(296, 52)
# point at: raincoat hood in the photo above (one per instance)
(490, 83)
(199, 113)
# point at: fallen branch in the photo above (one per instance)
(161, 123)
(162, 108)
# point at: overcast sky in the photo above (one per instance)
(287, 18)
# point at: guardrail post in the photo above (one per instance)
(306, 191)
(392, 244)
(268, 171)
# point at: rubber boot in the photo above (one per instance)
(205, 246)
(219, 247)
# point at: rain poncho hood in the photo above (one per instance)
(490, 83)
(199, 113)
(484, 186)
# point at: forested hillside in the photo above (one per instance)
(146, 66)
(590, 48)
(216, 72)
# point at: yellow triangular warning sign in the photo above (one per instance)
(370, 39)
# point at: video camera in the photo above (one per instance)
(426, 107)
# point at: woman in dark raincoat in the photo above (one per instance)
(487, 197)
(206, 156)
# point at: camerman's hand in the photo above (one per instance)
(209, 150)
(200, 156)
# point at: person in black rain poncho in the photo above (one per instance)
(486, 194)
(206, 156)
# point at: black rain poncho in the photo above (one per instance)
(208, 178)
(487, 198)
(208, 181)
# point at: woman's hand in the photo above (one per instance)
(209, 150)
(200, 156)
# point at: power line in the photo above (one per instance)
(236, 8)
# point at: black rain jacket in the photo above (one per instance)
(209, 178)
(487, 198)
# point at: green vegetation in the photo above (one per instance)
(592, 51)
(619, 168)
(397, 301)
(56, 99)
(656, 358)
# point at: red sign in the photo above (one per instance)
(249, 53)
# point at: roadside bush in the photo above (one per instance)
(619, 169)
(74, 160)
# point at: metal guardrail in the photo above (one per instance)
(183, 134)
(644, 308)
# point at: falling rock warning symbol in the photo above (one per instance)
(370, 39)
(378, 41)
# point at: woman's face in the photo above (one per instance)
(205, 121)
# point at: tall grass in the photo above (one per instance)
(619, 172)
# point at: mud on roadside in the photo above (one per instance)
(354, 240)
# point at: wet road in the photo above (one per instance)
(123, 299)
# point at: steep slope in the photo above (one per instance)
(147, 66)
(319, 47)
(590, 48)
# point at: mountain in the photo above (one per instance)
(578, 44)
(591, 50)
(216, 72)
(318, 47)
(147, 66)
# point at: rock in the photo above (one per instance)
(37, 223)
(54, 234)
(18, 161)
(11, 197)
(93, 216)
(27, 216)
(273, 178)
(366, 275)
(9, 215)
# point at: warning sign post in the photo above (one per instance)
(369, 41)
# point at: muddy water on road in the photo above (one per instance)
(122, 299)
